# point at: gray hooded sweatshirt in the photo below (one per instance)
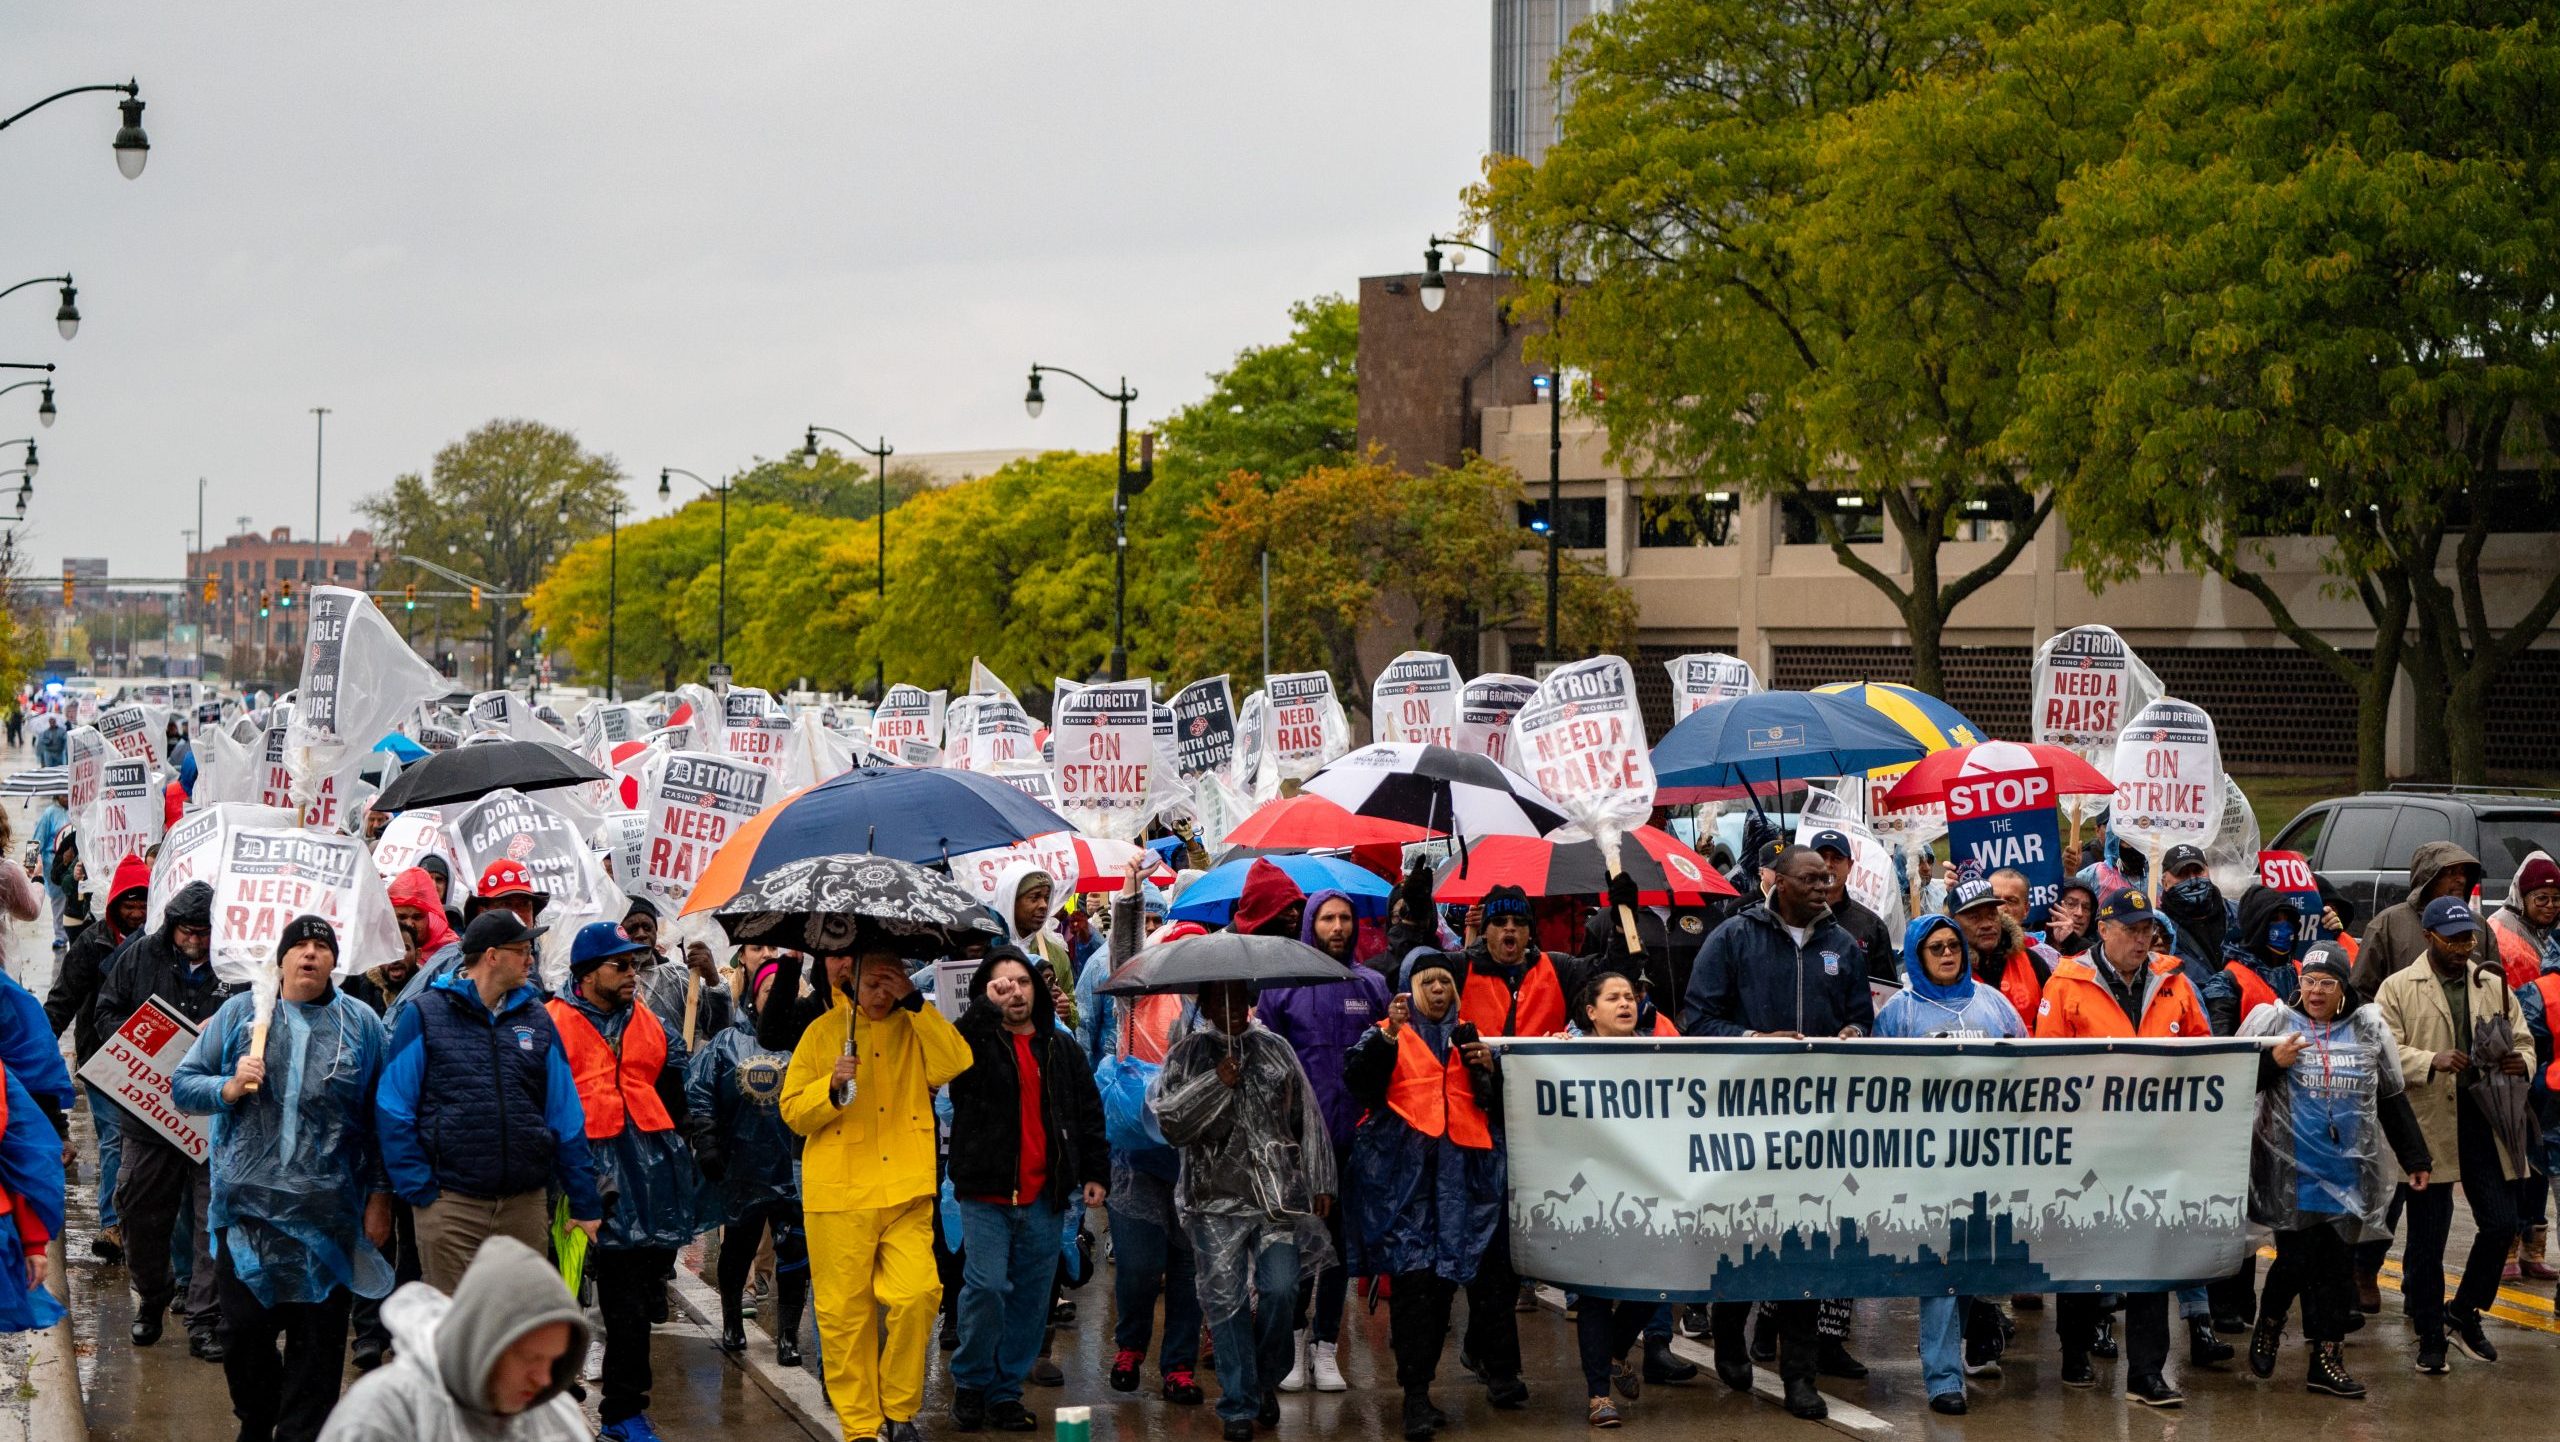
(438, 1388)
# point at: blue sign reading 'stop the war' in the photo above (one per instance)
(2005, 821)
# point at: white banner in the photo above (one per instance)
(692, 803)
(907, 714)
(1485, 708)
(134, 1065)
(1104, 744)
(2168, 775)
(1750, 1170)
(1705, 677)
(1416, 699)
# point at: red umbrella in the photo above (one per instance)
(1666, 872)
(1308, 822)
(1929, 777)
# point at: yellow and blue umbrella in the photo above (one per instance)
(1924, 718)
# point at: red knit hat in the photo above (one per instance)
(2539, 873)
(1268, 891)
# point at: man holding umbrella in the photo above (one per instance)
(860, 1091)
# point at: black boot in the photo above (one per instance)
(2204, 1349)
(733, 1325)
(2329, 1373)
(146, 1326)
(1662, 1365)
(1418, 1413)
(790, 1298)
(2264, 1342)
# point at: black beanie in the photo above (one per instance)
(307, 928)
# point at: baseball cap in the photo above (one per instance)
(1833, 841)
(503, 877)
(2127, 904)
(598, 942)
(2448, 916)
(2181, 857)
(496, 927)
(1970, 893)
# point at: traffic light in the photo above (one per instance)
(68, 591)
(262, 605)
(284, 592)
(211, 591)
(475, 598)
(1143, 475)
(409, 597)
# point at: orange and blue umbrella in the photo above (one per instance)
(924, 815)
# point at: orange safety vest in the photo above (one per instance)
(2254, 991)
(1662, 1026)
(2019, 984)
(2548, 983)
(614, 1084)
(1537, 1009)
(1434, 1097)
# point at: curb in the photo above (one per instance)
(793, 1390)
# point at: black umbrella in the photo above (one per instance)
(1198, 961)
(467, 773)
(824, 904)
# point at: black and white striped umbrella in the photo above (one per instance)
(1438, 788)
(37, 781)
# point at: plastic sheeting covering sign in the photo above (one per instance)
(1305, 727)
(1416, 700)
(908, 713)
(1104, 748)
(134, 1065)
(2087, 682)
(507, 825)
(693, 802)
(2168, 775)
(1485, 708)
(126, 821)
(1708, 676)
(1204, 727)
(270, 877)
(1582, 742)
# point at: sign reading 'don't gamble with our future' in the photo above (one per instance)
(2005, 821)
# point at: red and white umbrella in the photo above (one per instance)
(1929, 777)
(1666, 873)
(1308, 822)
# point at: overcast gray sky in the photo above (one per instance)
(680, 231)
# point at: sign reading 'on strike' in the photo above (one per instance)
(1416, 700)
(1104, 745)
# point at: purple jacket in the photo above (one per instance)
(1322, 1023)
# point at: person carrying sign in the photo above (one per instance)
(865, 1112)
(175, 965)
(478, 1114)
(735, 1084)
(1426, 1177)
(2122, 989)
(73, 1003)
(300, 1204)
(664, 985)
(630, 1079)
(1780, 967)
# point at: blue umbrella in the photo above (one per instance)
(402, 749)
(1212, 898)
(1765, 738)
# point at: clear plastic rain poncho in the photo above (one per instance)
(294, 1162)
(2317, 1155)
(1255, 1156)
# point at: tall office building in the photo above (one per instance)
(1527, 35)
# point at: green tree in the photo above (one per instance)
(503, 503)
(1797, 247)
(2315, 298)
(846, 487)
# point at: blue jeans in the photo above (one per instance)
(1254, 1344)
(1146, 1260)
(1009, 1262)
(106, 1119)
(1942, 1345)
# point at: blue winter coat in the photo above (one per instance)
(1751, 976)
(294, 1162)
(31, 1168)
(653, 1192)
(1418, 1204)
(493, 1113)
(734, 1086)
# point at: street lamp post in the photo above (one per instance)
(720, 656)
(880, 506)
(66, 319)
(1434, 290)
(612, 587)
(45, 411)
(1129, 483)
(319, 446)
(132, 147)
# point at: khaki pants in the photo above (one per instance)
(452, 1227)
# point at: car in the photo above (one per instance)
(2361, 844)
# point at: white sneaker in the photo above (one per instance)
(1320, 1359)
(1296, 1381)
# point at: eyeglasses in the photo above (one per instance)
(614, 963)
(1948, 947)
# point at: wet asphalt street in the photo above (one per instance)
(159, 1394)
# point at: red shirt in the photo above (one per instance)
(1032, 1170)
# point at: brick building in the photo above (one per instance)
(249, 566)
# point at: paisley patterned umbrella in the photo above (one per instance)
(824, 904)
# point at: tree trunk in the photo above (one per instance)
(2466, 725)
(2424, 662)
(1922, 618)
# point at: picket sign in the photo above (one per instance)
(2168, 774)
(2007, 820)
(1582, 739)
(1415, 699)
(134, 1067)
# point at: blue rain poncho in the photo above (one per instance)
(31, 1173)
(654, 1195)
(294, 1161)
(733, 1087)
(1923, 1008)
